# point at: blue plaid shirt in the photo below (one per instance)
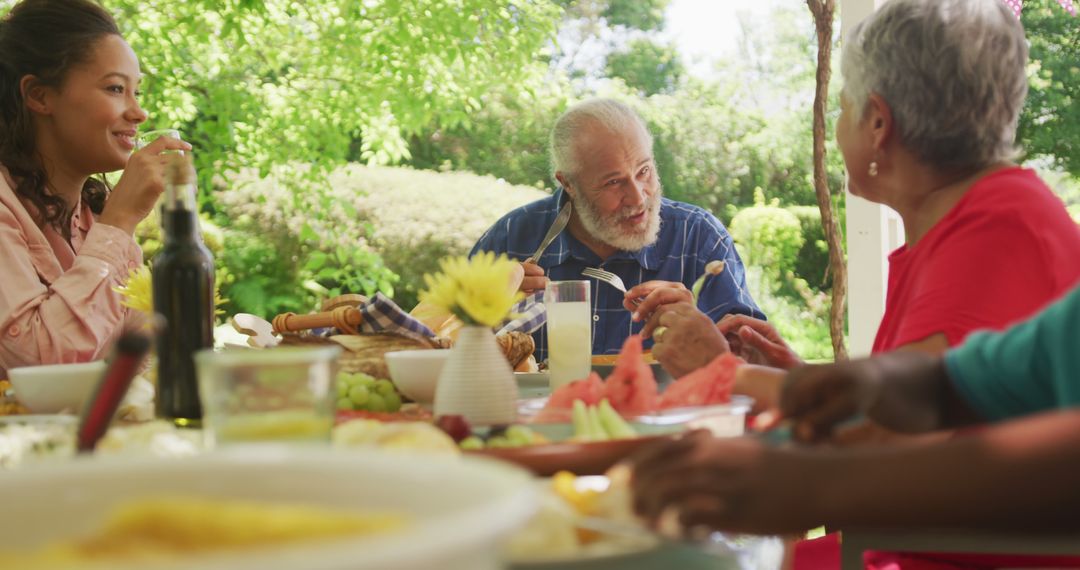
(689, 238)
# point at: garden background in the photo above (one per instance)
(345, 146)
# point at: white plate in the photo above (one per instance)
(532, 378)
(459, 508)
(533, 384)
(724, 420)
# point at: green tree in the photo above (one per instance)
(636, 14)
(1050, 122)
(265, 83)
(295, 88)
(647, 66)
(507, 138)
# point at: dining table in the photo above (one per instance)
(161, 438)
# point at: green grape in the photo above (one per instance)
(359, 396)
(500, 441)
(519, 435)
(393, 401)
(376, 403)
(344, 404)
(472, 442)
(342, 387)
(384, 387)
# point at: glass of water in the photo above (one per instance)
(569, 331)
(146, 137)
(280, 394)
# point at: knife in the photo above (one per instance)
(98, 413)
(556, 228)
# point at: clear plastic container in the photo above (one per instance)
(723, 420)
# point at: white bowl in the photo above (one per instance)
(416, 372)
(55, 388)
(458, 509)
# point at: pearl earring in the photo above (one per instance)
(873, 168)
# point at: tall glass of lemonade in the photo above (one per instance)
(569, 331)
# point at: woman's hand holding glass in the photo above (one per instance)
(142, 182)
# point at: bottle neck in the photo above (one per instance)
(179, 221)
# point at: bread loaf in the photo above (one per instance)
(516, 346)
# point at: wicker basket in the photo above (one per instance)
(364, 351)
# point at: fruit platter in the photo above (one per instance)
(589, 425)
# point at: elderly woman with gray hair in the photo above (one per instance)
(932, 92)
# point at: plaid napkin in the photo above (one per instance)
(383, 315)
(531, 315)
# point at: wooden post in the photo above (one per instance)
(823, 12)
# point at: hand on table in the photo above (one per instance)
(143, 180)
(685, 339)
(733, 484)
(757, 342)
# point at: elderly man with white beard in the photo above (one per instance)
(602, 159)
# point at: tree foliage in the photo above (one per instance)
(1050, 123)
(263, 83)
(294, 88)
(647, 67)
(636, 14)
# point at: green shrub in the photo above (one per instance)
(376, 229)
(804, 325)
(778, 246)
(812, 261)
(419, 216)
(767, 235)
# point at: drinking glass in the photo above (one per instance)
(280, 394)
(569, 331)
(144, 138)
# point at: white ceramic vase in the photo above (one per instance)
(477, 382)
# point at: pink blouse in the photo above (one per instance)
(57, 303)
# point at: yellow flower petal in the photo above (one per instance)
(474, 289)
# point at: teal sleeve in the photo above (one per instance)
(1031, 367)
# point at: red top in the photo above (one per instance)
(1004, 251)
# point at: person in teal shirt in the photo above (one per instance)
(1019, 473)
(1032, 367)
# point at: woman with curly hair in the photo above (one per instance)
(68, 112)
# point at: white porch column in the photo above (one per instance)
(872, 232)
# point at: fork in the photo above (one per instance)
(609, 278)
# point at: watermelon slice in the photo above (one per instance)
(590, 391)
(557, 409)
(631, 387)
(709, 385)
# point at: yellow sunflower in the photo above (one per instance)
(473, 289)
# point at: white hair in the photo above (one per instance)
(613, 115)
(952, 73)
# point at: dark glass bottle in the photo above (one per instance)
(183, 296)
